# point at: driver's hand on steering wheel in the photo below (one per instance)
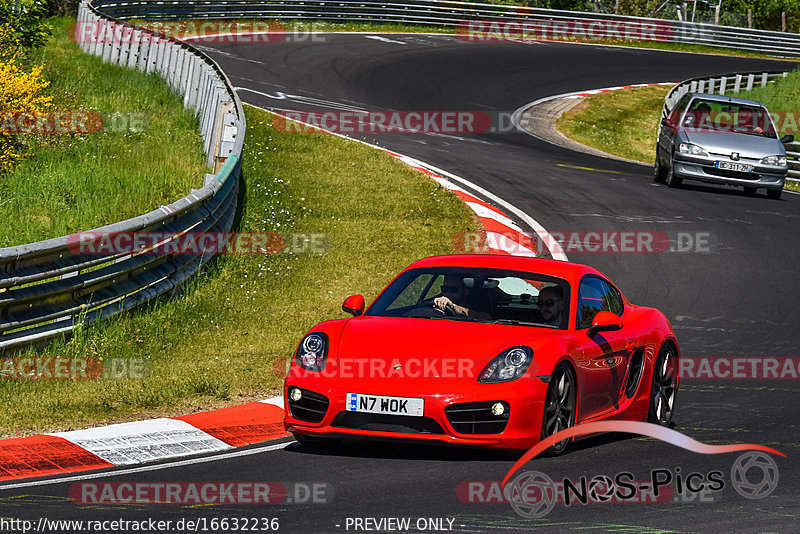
(443, 302)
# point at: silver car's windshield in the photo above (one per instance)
(710, 115)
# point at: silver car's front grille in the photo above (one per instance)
(732, 174)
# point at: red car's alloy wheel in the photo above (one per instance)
(664, 388)
(559, 408)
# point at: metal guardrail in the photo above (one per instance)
(48, 288)
(450, 13)
(733, 84)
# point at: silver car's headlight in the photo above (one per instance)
(774, 160)
(508, 365)
(694, 150)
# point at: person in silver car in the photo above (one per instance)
(722, 140)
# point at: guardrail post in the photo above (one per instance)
(194, 85)
(711, 85)
(216, 124)
(102, 26)
(83, 27)
(185, 63)
(723, 82)
(155, 53)
(162, 50)
(171, 65)
(737, 83)
(693, 87)
(701, 86)
(188, 88)
(144, 51)
(208, 107)
(750, 79)
(111, 52)
(229, 132)
(124, 45)
(764, 77)
(133, 50)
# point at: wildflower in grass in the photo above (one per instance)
(20, 90)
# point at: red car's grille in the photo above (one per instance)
(387, 423)
(477, 418)
(311, 407)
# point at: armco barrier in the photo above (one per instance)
(733, 84)
(450, 13)
(48, 288)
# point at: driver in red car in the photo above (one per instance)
(551, 304)
(456, 295)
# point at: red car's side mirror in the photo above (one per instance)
(605, 322)
(354, 304)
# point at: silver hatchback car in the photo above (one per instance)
(723, 140)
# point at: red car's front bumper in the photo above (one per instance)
(525, 398)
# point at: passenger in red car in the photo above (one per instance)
(551, 304)
(456, 295)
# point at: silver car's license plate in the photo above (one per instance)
(358, 402)
(728, 166)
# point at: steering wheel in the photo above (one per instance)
(448, 311)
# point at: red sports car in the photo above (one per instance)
(490, 351)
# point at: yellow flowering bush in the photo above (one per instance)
(20, 90)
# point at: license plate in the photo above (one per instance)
(358, 402)
(728, 166)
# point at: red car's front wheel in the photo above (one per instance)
(664, 387)
(559, 407)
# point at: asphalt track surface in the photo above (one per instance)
(738, 299)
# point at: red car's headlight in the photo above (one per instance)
(508, 365)
(312, 354)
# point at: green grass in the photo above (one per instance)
(782, 95)
(623, 122)
(216, 345)
(78, 182)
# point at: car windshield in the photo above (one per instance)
(713, 116)
(476, 294)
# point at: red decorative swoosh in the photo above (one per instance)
(634, 427)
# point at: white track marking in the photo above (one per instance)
(144, 441)
(145, 468)
(486, 213)
(502, 242)
(553, 245)
(289, 32)
(555, 248)
(383, 39)
(276, 401)
(279, 95)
